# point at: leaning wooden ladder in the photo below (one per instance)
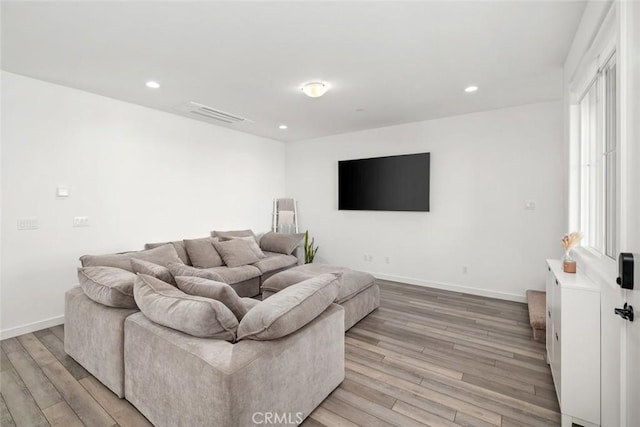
(285, 216)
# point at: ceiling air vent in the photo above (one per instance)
(204, 111)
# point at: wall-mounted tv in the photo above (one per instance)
(393, 183)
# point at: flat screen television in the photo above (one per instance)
(393, 183)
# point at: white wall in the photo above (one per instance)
(483, 168)
(140, 175)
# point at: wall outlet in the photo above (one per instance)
(387, 260)
(530, 205)
(28, 223)
(80, 221)
(465, 270)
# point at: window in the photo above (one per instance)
(599, 162)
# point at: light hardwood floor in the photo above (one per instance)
(425, 357)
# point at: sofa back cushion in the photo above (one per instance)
(289, 310)
(169, 306)
(178, 245)
(215, 290)
(226, 235)
(202, 253)
(162, 255)
(280, 242)
(108, 286)
(155, 270)
(235, 253)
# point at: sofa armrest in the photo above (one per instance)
(204, 379)
(298, 252)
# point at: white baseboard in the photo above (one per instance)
(31, 327)
(451, 287)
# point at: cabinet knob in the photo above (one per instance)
(556, 282)
(556, 336)
(549, 315)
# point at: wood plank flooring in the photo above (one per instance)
(425, 357)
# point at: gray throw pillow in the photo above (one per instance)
(108, 286)
(252, 244)
(169, 306)
(236, 253)
(162, 255)
(215, 290)
(151, 269)
(178, 245)
(290, 309)
(202, 253)
(227, 235)
(281, 242)
(186, 270)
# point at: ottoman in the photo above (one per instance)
(358, 295)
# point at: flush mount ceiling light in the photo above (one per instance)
(315, 89)
(283, 127)
(152, 84)
(470, 89)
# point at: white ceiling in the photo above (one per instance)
(399, 61)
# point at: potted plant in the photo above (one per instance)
(309, 249)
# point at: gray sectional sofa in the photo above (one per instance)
(172, 334)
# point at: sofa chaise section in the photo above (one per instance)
(179, 380)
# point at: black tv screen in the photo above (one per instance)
(394, 183)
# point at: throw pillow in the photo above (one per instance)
(108, 286)
(226, 235)
(178, 245)
(169, 306)
(252, 244)
(151, 269)
(235, 253)
(186, 270)
(289, 310)
(281, 242)
(162, 255)
(202, 253)
(215, 290)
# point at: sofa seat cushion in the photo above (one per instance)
(215, 290)
(187, 270)
(275, 261)
(108, 286)
(155, 270)
(168, 306)
(350, 283)
(233, 275)
(289, 310)
(162, 255)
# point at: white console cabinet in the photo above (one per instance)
(573, 344)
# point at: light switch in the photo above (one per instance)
(80, 221)
(62, 192)
(28, 223)
(530, 205)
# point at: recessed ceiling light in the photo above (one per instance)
(152, 84)
(470, 89)
(283, 127)
(315, 89)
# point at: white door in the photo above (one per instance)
(612, 354)
(630, 23)
(630, 44)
